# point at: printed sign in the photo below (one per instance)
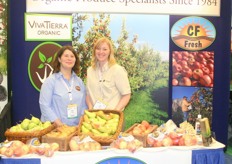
(170, 7)
(43, 27)
(193, 33)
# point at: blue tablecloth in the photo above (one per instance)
(209, 156)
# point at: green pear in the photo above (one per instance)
(35, 120)
(114, 115)
(90, 114)
(101, 134)
(95, 131)
(114, 120)
(84, 129)
(101, 120)
(87, 125)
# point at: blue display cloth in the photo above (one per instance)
(161, 155)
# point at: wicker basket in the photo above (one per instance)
(142, 137)
(105, 141)
(24, 136)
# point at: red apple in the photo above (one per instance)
(195, 83)
(183, 63)
(122, 144)
(185, 81)
(206, 70)
(181, 141)
(174, 82)
(191, 61)
(210, 66)
(150, 140)
(187, 72)
(145, 123)
(177, 68)
(167, 141)
(197, 73)
(8, 152)
(176, 75)
(196, 65)
(205, 81)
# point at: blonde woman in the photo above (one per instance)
(107, 82)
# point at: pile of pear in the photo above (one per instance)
(30, 125)
(100, 124)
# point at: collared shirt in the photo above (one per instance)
(54, 98)
(107, 85)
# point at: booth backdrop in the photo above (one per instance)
(25, 98)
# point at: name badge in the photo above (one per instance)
(99, 105)
(72, 110)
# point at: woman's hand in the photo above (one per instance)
(58, 123)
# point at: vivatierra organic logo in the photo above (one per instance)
(40, 63)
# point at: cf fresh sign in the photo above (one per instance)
(43, 27)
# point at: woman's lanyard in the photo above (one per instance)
(101, 82)
(69, 88)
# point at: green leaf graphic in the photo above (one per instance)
(42, 57)
(49, 59)
(41, 66)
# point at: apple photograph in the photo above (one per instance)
(193, 68)
(188, 102)
(141, 46)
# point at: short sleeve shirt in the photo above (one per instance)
(109, 85)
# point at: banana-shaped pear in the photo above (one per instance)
(103, 115)
(95, 131)
(86, 118)
(113, 115)
(114, 120)
(84, 130)
(90, 114)
(87, 125)
(101, 120)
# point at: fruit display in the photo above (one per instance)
(169, 134)
(142, 128)
(30, 125)
(17, 148)
(127, 142)
(84, 143)
(99, 123)
(193, 68)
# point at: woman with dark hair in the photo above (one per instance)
(62, 95)
(107, 82)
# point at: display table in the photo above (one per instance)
(163, 155)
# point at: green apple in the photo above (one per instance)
(24, 124)
(32, 125)
(46, 124)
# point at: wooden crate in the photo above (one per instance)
(142, 137)
(62, 141)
